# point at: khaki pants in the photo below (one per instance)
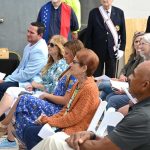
(54, 142)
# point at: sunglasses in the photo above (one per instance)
(52, 45)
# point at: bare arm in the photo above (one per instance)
(84, 141)
(103, 144)
(56, 99)
(38, 85)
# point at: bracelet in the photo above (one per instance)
(92, 136)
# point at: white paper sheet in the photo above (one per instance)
(119, 85)
(129, 95)
(2, 75)
(46, 131)
(103, 77)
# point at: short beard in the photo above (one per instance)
(145, 57)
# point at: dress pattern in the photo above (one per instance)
(30, 108)
(50, 79)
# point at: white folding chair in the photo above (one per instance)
(111, 118)
(97, 116)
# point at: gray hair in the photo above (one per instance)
(146, 37)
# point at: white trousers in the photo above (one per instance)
(15, 91)
(54, 142)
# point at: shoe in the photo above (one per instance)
(6, 144)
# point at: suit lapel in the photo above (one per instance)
(100, 20)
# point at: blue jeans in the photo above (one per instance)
(105, 87)
(30, 136)
(116, 100)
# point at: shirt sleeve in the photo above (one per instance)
(131, 132)
(33, 67)
(74, 22)
(89, 30)
(123, 32)
(124, 69)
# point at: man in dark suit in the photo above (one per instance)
(148, 25)
(100, 39)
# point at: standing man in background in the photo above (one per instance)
(58, 18)
(106, 35)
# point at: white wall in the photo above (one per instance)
(134, 8)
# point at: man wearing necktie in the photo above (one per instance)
(100, 39)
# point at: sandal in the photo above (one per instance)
(3, 128)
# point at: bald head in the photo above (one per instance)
(139, 81)
(144, 70)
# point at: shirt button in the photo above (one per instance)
(107, 33)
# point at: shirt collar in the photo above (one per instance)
(109, 10)
(144, 102)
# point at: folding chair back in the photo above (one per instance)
(111, 118)
(97, 116)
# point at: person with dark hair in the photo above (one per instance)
(58, 18)
(41, 27)
(35, 57)
(106, 36)
(83, 101)
(148, 25)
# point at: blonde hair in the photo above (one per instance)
(59, 41)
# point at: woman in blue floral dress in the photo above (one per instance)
(30, 108)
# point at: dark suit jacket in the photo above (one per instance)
(148, 25)
(99, 38)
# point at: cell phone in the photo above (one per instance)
(25, 92)
(114, 89)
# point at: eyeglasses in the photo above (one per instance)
(75, 62)
(137, 41)
(52, 45)
(144, 43)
